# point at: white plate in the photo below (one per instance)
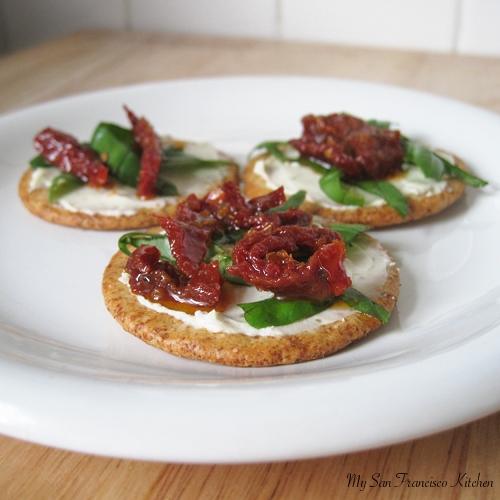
(72, 378)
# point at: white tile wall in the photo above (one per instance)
(480, 27)
(407, 24)
(463, 26)
(245, 18)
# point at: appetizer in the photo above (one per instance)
(359, 172)
(250, 282)
(119, 178)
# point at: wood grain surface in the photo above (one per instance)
(94, 60)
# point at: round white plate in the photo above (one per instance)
(72, 378)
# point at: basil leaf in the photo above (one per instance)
(294, 201)
(431, 165)
(165, 188)
(435, 166)
(62, 185)
(462, 175)
(174, 157)
(116, 146)
(274, 312)
(224, 259)
(349, 231)
(339, 191)
(393, 197)
(362, 303)
(273, 148)
(40, 162)
(136, 239)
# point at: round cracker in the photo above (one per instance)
(420, 206)
(176, 337)
(37, 202)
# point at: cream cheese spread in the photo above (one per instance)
(367, 264)
(120, 200)
(294, 177)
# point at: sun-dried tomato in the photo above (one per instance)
(269, 200)
(65, 152)
(360, 150)
(299, 261)
(151, 155)
(188, 243)
(293, 262)
(226, 209)
(160, 281)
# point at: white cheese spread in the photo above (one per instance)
(367, 264)
(294, 177)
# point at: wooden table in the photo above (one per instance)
(91, 61)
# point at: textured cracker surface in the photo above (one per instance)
(172, 335)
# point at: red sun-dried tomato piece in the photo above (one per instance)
(360, 150)
(226, 209)
(66, 153)
(267, 201)
(293, 262)
(188, 243)
(151, 155)
(159, 281)
(204, 287)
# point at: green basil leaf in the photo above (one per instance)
(174, 157)
(431, 164)
(349, 231)
(355, 299)
(274, 312)
(462, 175)
(393, 197)
(117, 148)
(62, 185)
(136, 239)
(40, 162)
(273, 148)
(165, 188)
(224, 259)
(434, 165)
(339, 191)
(293, 201)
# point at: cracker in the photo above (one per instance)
(37, 202)
(420, 206)
(176, 337)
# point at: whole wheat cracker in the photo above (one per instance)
(420, 206)
(37, 202)
(178, 338)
